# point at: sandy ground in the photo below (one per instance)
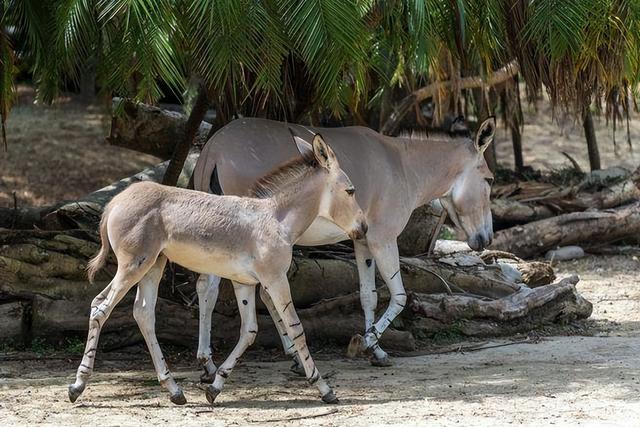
(59, 152)
(559, 380)
(544, 138)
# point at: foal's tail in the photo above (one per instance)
(100, 259)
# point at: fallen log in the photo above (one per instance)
(523, 202)
(509, 212)
(25, 218)
(522, 311)
(149, 129)
(52, 263)
(177, 324)
(538, 237)
(421, 231)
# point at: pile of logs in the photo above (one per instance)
(546, 216)
(45, 294)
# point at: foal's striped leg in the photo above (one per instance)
(207, 288)
(101, 307)
(144, 311)
(287, 344)
(131, 268)
(369, 297)
(246, 299)
(280, 294)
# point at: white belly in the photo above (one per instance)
(322, 232)
(232, 266)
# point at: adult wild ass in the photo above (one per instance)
(394, 176)
(247, 240)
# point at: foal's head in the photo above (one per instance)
(337, 194)
(468, 203)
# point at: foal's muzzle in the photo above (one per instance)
(360, 232)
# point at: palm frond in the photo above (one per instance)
(77, 34)
(35, 23)
(330, 37)
(7, 72)
(138, 47)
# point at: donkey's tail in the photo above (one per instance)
(100, 259)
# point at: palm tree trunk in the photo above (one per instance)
(516, 140)
(181, 150)
(592, 143)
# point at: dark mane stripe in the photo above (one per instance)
(433, 134)
(293, 170)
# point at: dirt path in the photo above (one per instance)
(564, 380)
(59, 153)
(544, 138)
(575, 380)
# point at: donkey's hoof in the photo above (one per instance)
(178, 398)
(356, 346)
(297, 369)
(383, 362)
(330, 398)
(207, 378)
(75, 392)
(212, 393)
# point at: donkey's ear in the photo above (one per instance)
(485, 134)
(305, 149)
(322, 152)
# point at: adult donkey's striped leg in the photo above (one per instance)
(207, 288)
(144, 311)
(388, 261)
(369, 297)
(280, 294)
(246, 299)
(287, 344)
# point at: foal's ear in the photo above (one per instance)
(485, 134)
(322, 152)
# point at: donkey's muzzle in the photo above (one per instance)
(479, 241)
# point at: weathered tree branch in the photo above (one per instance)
(149, 129)
(519, 312)
(499, 76)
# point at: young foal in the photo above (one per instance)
(248, 240)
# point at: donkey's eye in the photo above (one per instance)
(489, 181)
(350, 191)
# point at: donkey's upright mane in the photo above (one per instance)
(427, 136)
(291, 171)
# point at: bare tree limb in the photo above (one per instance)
(499, 76)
